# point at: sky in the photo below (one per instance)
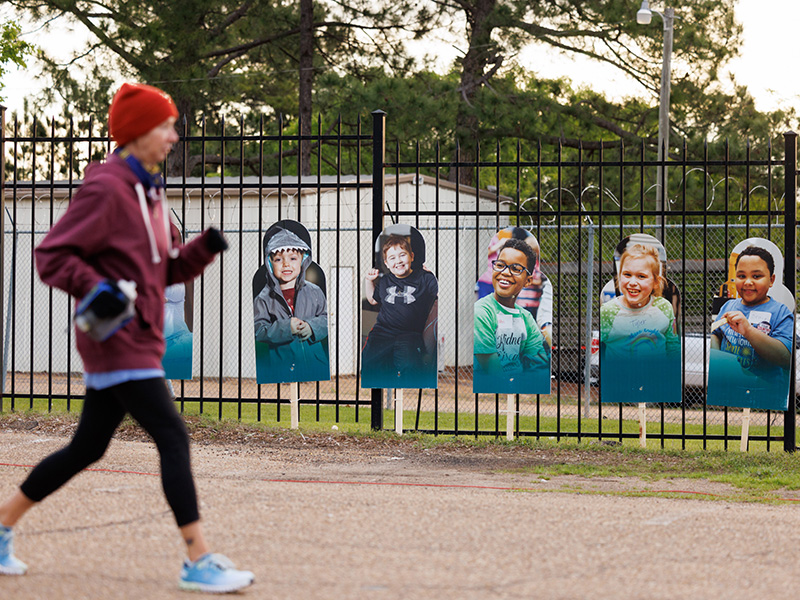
(766, 61)
(763, 65)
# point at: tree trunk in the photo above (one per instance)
(481, 53)
(306, 81)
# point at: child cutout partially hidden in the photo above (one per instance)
(508, 341)
(401, 346)
(754, 327)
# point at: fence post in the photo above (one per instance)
(790, 271)
(378, 172)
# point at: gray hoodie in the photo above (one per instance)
(289, 358)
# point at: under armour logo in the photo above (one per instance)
(407, 294)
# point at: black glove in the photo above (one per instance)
(108, 300)
(215, 241)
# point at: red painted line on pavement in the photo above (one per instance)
(403, 483)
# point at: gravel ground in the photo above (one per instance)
(335, 516)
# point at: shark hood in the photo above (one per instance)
(282, 240)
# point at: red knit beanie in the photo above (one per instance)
(136, 109)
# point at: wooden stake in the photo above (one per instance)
(398, 412)
(294, 404)
(510, 412)
(643, 424)
(745, 429)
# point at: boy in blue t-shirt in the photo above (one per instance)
(755, 328)
(396, 353)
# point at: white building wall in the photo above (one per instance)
(223, 317)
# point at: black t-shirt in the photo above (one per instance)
(404, 303)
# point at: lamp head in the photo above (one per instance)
(645, 15)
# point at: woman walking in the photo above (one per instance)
(116, 231)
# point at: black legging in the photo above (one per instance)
(149, 403)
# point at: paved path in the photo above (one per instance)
(109, 535)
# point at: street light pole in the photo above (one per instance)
(643, 17)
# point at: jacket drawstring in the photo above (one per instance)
(154, 255)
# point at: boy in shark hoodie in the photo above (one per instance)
(290, 315)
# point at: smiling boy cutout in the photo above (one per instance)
(290, 315)
(508, 345)
(396, 353)
(757, 329)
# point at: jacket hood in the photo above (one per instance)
(118, 167)
(284, 239)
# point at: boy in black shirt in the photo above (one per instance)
(395, 354)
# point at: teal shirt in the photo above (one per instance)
(511, 333)
(640, 353)
(649, 330)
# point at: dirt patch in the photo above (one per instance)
(417, 459)
(349, 448)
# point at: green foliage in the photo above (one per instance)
(543, 122)
(216, 57)
(58, 148)
(239, 60)
(12, 48)
(213, 55)
(706, 36)
(193, 49)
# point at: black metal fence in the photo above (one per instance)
(578, 201)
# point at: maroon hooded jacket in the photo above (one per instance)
(114, 230)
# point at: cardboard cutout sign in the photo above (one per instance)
(748, 369)
(640, 346)
(536, 298)
(290, 310)
(511, 354)
(399, 316)
(178, 327)
(177, 360)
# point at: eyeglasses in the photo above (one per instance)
(515, 269)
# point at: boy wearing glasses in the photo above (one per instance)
(510, 355)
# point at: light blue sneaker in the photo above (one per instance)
(9, 564)
(213, 573)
